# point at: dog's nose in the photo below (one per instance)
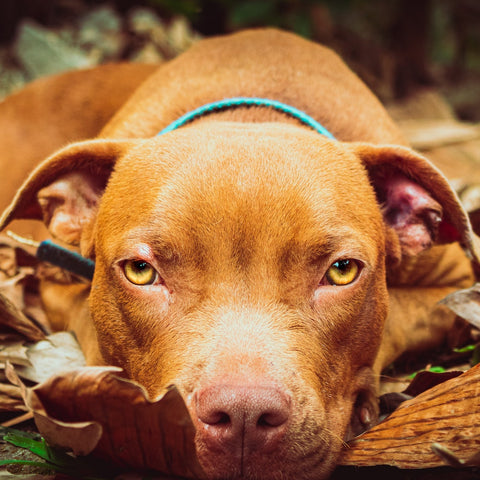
(237, 419)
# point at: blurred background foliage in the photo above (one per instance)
(396, 46)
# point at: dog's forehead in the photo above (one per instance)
(243, 180)
(245, 159)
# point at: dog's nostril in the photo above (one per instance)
(272, 419)
(263, 421)
(217, 418)
(212, 414)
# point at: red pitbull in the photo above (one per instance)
(267, 269)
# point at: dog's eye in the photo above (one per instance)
(342, 272)
(139, 272)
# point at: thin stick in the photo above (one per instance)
(20, 419)
(23, 240)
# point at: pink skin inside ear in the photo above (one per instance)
(68, 203)
(412, 213)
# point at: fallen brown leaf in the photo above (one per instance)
(58, 352)
(93, 410)
(451, 459)
(466, 304)
(13, 319)
(447, 414)
(17, 280)
(470, 197)
(37, 362)
(11, 398)
(425, 380)
(14, 352)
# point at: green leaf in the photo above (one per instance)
(15, 461)
(467, 348)
(435, 369)
(37, 447)
(57, 460)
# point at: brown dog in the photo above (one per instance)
(252, 261)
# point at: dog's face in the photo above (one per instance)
(246, 265)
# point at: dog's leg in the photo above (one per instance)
(416, 322)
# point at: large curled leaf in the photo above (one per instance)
(447, 414)
(93, 410)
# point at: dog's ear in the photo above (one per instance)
(64, 190)
(419, 206)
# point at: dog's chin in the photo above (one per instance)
(282, 464)
(266, 469)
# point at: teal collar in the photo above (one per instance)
(235, 102)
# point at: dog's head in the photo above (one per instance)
(247, 265)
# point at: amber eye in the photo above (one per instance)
(139, 272)
(342, 272)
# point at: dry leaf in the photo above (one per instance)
(94, 410)
(58, 352)
(14, 352)
(474, 460)
(11, 399)
(470, 197)
(425, 134)
(425, 380)
(12, 287)
(12, 318)
(18, 284)
(447, 414)
(8, 261)
(13, 273)
(466, 304)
